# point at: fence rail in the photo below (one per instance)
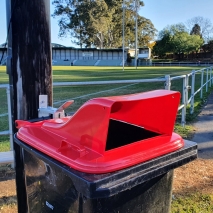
(182, 64)
(187, 88)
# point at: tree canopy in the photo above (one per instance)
(98, 23)
(208, 47)
(206, 27)
(175, 39)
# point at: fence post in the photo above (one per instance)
(183, 113)
(210, 80)
(201, 90)
(212, 73)
(192, 93)
(168, 82)
(9, 117)
(187, 89)
(207, 73)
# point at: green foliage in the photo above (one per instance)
(208, 47)
(186, 132)
(99, 23)
(184, 43)
(175, 39)
(194, 203)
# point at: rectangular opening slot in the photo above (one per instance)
(121, 134)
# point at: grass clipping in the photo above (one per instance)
(193, 187)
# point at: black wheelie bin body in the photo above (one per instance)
(115, 154)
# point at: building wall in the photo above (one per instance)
(87, 54)
(71, 54)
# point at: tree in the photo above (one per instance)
(206, 27)
(175, 39)
(166, 43)
(163, 45)
(208, 47)
(196, 30)
(193, 43)
(98, 23)
(100, 18)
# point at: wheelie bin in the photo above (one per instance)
(114, 154)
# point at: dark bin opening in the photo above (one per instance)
(121, 134)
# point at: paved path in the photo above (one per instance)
(204, 130)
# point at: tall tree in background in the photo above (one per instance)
(196, 30)
(165, 43)
(100, 16)
(98, 23)
(206, 27)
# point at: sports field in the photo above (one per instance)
(80, 74)
(85, 92)
(72, 73)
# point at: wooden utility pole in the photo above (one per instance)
(29, 66)
(29, 63)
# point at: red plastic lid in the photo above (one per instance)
(110, 133)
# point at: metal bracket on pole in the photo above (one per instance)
(45, 111)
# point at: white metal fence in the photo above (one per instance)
(181, 64)
(189, 90)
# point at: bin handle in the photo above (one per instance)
(65, 105)
(77, 148)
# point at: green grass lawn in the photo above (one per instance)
(68, 73)
(82, 93)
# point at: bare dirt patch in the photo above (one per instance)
(8, 201)
(196, 176)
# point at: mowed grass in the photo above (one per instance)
(76, 74)
(67, 73)
(83, 93)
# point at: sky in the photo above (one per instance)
(160, 12)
